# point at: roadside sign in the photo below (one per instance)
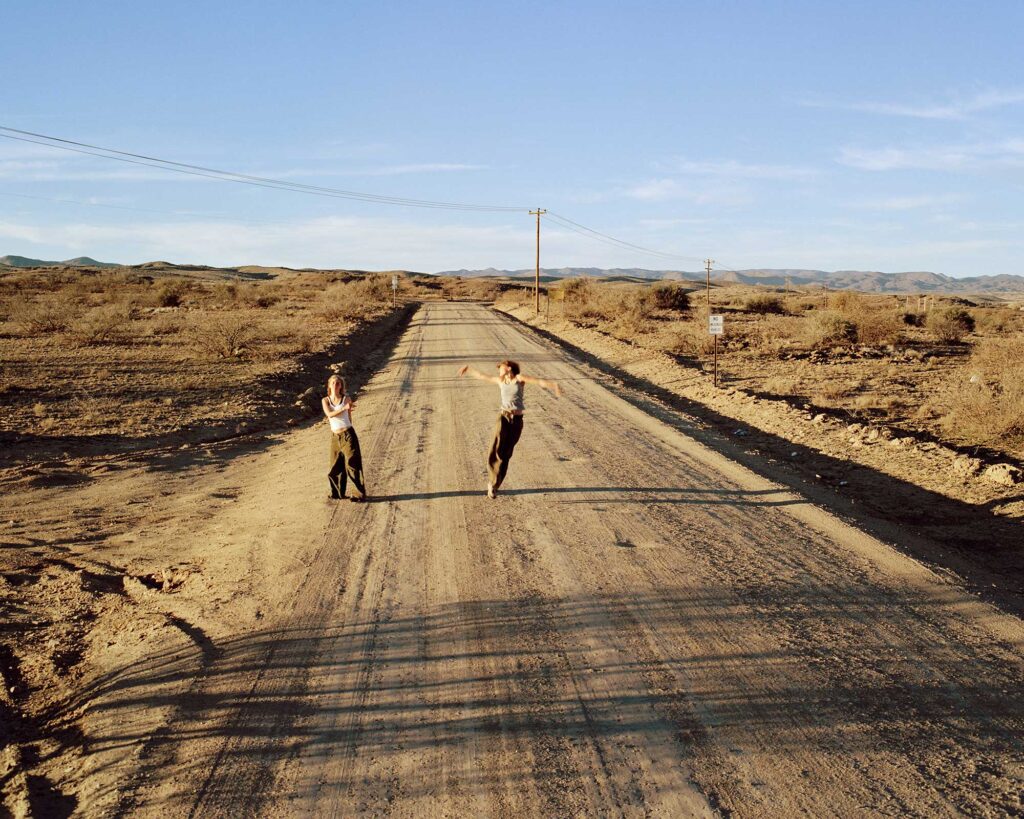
(394, 282)
(716, 325)
(556, 293)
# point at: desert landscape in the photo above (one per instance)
(796, 592)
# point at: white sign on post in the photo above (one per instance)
(394, 282)
(716, 325)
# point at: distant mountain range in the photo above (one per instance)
(864, 280)
(869, 281)
(81, 261)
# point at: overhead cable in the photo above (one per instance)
(241, 178)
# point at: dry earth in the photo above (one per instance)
(638, 625)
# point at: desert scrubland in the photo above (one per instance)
(796, 593)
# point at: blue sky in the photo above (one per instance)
(884, 136)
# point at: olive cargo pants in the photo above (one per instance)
(506, 436)
(346, 463)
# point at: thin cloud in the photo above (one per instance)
(668, 189)
(738, 170)
(960, 109)
(902, 203)
(976, 156)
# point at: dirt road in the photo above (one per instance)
(636, 626)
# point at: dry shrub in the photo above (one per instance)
(165, 324)
(780, 385)
(357, 299)
(577, 291)
(283, 339)
(671, 297)
(170, 293)
(222, 334)
(773, 334)
(877, 326)
(630, 310)
(986, 404)
(846, 301)
(41, 317)
(692, 339)
(949, 324)
(102, 325)
(830, 392)
(827, 328)
(764, 305)
(995, 320)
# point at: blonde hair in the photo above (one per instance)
(336, 379)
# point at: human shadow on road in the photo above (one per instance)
(623, 494)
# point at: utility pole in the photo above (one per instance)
(536, 278)
(707, 267)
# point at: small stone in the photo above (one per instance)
(872, 436)
(820, 418)
(855, 428)
(1002, 474)
(965, 466)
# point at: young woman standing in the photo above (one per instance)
(346, 459)
(510, 383)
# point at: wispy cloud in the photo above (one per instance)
(957, 109)
(668, 189)
(975, 156)
(901, 203)
(732, 169)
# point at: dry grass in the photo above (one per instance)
(864, 354)
(949, 324)
(765, 305)
(120, 340)
(829, 328)
(986, 402)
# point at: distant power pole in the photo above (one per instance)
(707, 267)
(536, 278)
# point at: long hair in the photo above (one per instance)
(512, 365)
(336, 379)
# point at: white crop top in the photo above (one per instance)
(339, 423)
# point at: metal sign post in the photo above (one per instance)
(394, 290)
(716, 327)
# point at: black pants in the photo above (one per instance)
(506, 436)
(346, 463)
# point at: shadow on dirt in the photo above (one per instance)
(510, 667)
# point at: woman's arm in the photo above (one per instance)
(466, 369)
(540, 382)
(346, 404)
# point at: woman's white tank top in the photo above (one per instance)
(339, 423)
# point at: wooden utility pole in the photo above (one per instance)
(536, 278)
(707, 267)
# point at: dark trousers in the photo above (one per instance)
(506, 436)
(346, 463)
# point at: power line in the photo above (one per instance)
(59, 143)
(597, 235)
